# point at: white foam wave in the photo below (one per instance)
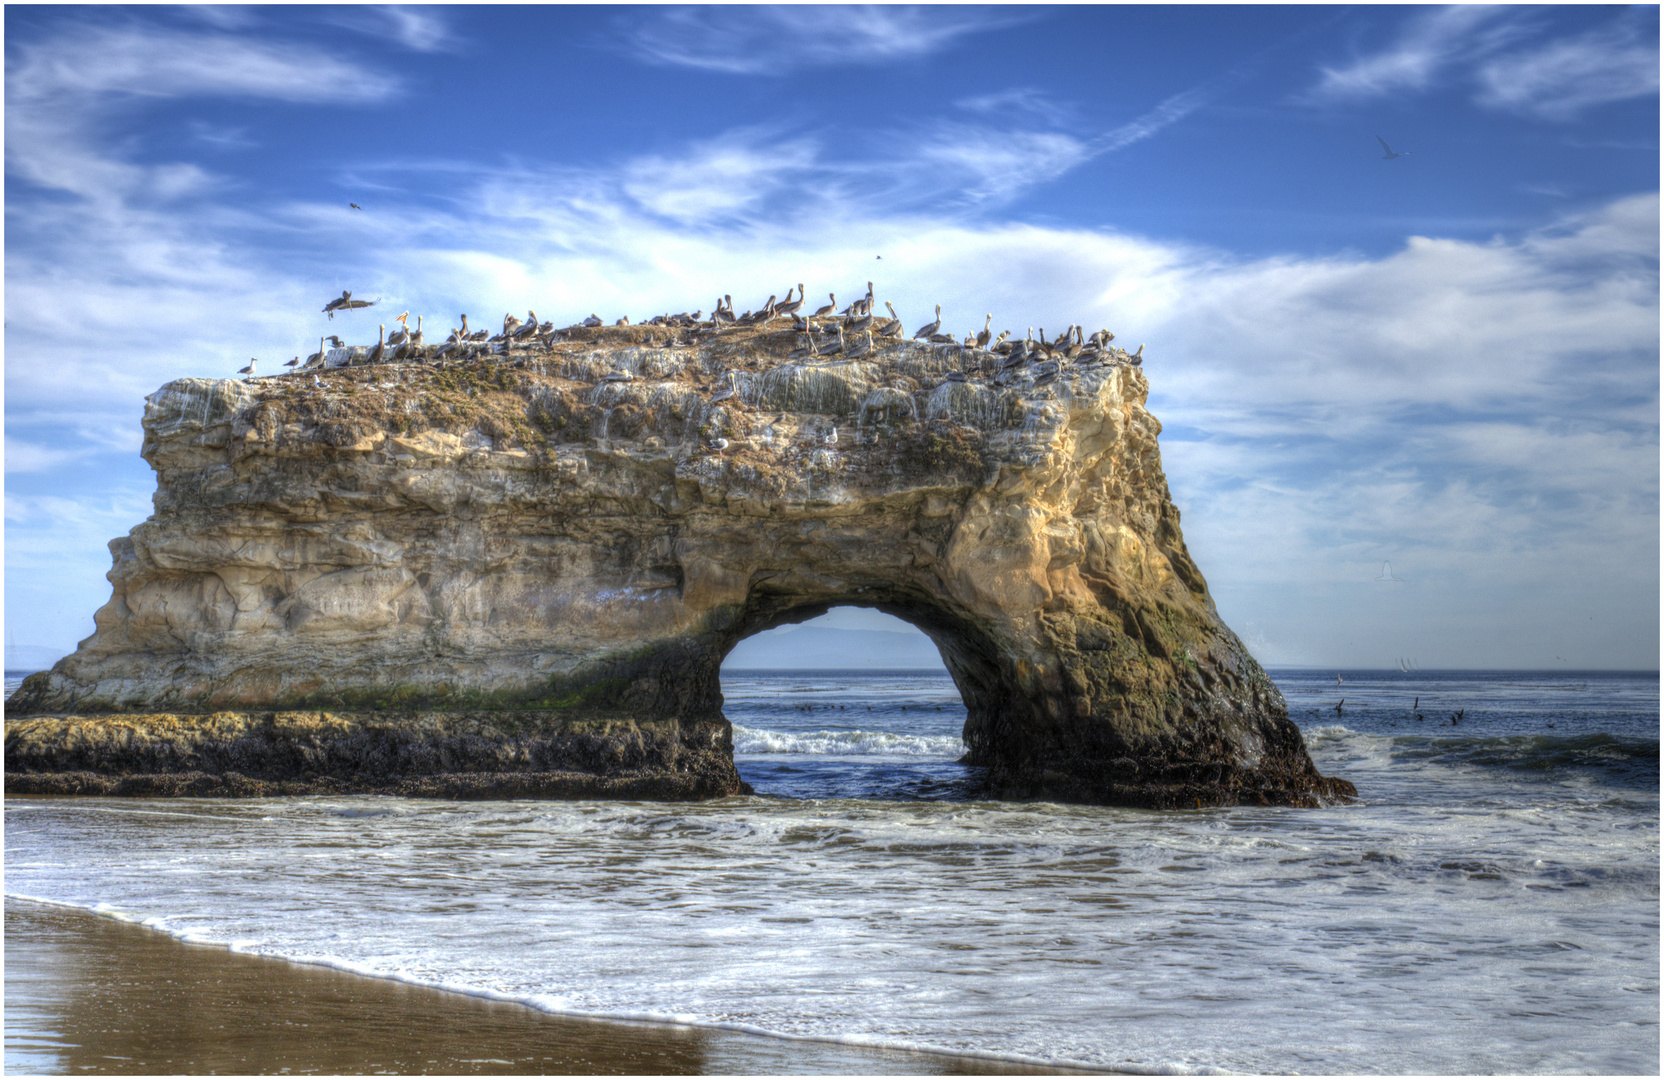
(556, 1005)
(846, 743)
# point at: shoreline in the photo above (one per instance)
(89, 993)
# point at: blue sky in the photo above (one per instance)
(1448, 360)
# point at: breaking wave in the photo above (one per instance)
(846, 743)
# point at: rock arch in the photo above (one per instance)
(561, 537)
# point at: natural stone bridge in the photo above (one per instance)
(520, 575)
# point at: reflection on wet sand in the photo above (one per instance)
(88, 994)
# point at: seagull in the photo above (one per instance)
(831, 438)
(1342, 702)
(719, 445)
(249, 371)
(292, 363)
(355, 206)
(1390, 153)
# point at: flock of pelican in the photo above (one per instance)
(851, 333)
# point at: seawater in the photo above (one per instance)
(1490, 904)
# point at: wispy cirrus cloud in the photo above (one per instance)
(1485, 46)
(776, 40)
(1427, 44)
(416, 28)
(1563, 78)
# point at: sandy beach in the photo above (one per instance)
(90, 994)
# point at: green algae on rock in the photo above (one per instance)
(582, 531)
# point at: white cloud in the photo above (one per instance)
(775, 40)
(1019, 101)
(416, 28)
(154, 62)
(1560, 80)
(1429, 42)
(1553, 81)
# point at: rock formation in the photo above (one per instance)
(481, 569)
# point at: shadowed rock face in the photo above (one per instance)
(552, 535)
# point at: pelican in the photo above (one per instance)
(790, 306)
(1004, 334)
(317, 358)
(464, 331)
(862, 349)
(930, 328)
(355, 206)
(827, 309)
(398, 336)
(1389, 152)
(381, 347)
(623, 320)
(416, 338)
(335, 305)
(803, 351)
(334, 341)
(858, 324)
(527, 328)
(987, 331)
(1136, 358)
(249, 371)
(893, 327)
(593, 320)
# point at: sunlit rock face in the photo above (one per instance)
(584, 530)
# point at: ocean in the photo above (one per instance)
(1490, 904)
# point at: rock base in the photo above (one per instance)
(521, 755)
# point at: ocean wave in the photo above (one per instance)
(1615, 758)
(557, 1005)
(1626, 761)
(845, 743)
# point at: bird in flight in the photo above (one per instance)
(355, 206)
(1390, 153)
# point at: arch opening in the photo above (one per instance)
(851, 700)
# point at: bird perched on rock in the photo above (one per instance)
(862, 349)
(1136, 358)
(292, 363)
(893, 327)
(719, 445)
(593, 320)
(623, 321)
(804, 351)
(987, 331)
(397, 337)
(381, 345)
(929, 328)
(827, 309)
(248, 371)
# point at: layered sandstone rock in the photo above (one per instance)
(554, 535)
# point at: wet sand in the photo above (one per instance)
(88, 994)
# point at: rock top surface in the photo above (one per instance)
(582, 529)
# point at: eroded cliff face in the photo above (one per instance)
(583, 531)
